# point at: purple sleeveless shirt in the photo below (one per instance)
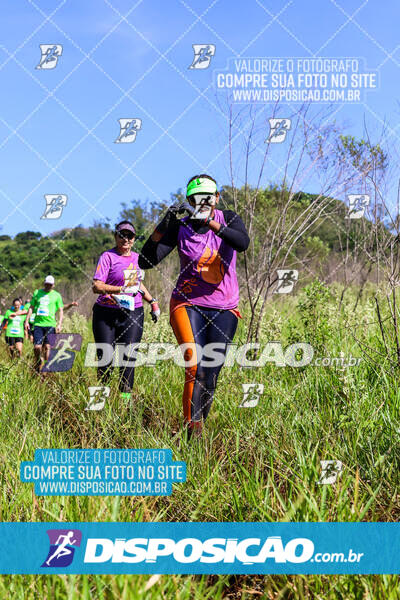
(208, 268)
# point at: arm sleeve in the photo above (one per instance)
(102, 269)
(154, 252)
(234, 232)
(60, 303)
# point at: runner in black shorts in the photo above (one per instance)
(46, 303)
(15, 328)
(118, 312)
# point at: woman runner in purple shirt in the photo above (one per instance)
(118, 312)
(203, 307)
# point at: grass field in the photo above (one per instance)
(253, 464)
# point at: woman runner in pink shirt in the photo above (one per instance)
(118, 311)
(203, 307)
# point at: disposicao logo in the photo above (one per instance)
(64, 347)
(62, 547)
(190, 550)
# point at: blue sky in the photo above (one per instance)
(58, 126)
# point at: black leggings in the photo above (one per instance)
(117, 326)
(202, 326)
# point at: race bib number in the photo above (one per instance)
(43, 310)
(124, 301)
(15, 327)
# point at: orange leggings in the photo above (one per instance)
(200, 325)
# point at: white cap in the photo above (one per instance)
(49, 279)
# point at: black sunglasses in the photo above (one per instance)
(125, 236)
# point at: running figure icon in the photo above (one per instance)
(62, 549)
(62, 351)
(63, 544)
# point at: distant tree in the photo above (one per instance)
(281, 219)
(60, 234)
(26, 236)
(79, 232)
(136, 213)
(3, 238)
(102, 223)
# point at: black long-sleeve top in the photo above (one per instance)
(233, 233)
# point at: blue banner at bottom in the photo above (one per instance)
(203, 548)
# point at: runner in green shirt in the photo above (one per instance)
(30, 321)
(45, 303)
(15, 328)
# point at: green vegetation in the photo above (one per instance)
(71, 254)
(29, 257)
(253, 464)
